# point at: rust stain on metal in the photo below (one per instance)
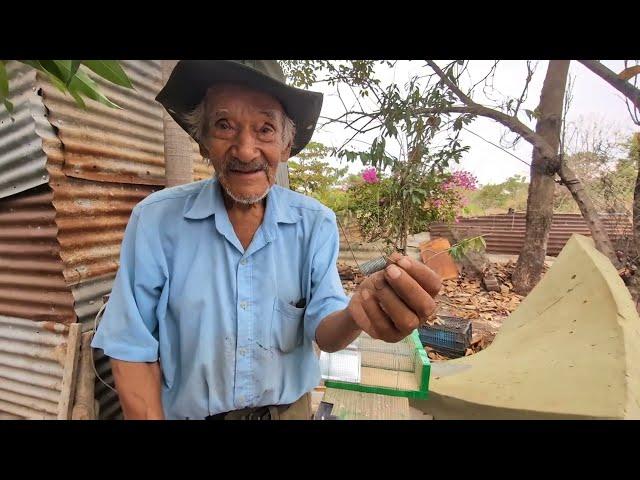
(31, 367)
(60, 243)
(54, 327)
(32, 283)
(120, 146)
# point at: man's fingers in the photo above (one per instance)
(403, 318)
(411, 293)
(381, 322)
(429, 280)
(360, 317)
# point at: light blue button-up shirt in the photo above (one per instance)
(222, 320)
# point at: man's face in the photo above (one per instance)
(244, 140)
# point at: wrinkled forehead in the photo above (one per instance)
(229, 99)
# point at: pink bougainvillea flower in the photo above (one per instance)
(464, 179)
(370, 175)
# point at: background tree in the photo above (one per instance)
(309, 173)
(500, 197)
(436, 99)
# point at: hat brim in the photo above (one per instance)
(191, 79)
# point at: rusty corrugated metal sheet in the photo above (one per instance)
(88, 298)
(32, 284)
(110, 145)
(91, 218)
(201, 169)
(34, 368)
(22, 160)
(506, 233)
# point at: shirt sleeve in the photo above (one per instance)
(129, 328)
(327, 294)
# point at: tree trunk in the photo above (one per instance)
(635, 151)
(589, 213)
(543, 168)
(178, 152)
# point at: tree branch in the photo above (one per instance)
(508, 121)
(609, 76)
(452, 86)
(525, 90)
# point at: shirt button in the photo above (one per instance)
(243, 261)
(243, 351)
(243, 305)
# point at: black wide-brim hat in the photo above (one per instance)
(191, 79)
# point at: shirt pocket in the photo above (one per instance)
(287, 326)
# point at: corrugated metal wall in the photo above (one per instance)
(102, 162)
(34, 383)
(506, 233)
(32, 284)
(22, 159)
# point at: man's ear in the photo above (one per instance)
(286, 153)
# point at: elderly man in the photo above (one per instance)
(225, 284)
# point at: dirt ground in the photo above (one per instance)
(466, 298)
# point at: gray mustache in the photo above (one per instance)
(245, 167)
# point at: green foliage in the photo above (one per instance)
(608, 175)
(70, 77)
(310, 174)
(336, 199)
(4, 87)
(403, 203)
(475, 244)
(512, 193)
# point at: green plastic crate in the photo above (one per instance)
(398, 369)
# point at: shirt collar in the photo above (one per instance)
(209, 202)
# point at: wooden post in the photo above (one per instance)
(178, 149)
(84, 403)
(70, 372)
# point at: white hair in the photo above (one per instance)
(197, 124)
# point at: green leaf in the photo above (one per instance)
(109, 70)
(58, 84)
(75, 64)
(76, 96)
(8, 105)
(57, 68)
(64, 67)
(38, 66)
(35, 64)
(4, 81)
(83, 84)
(4, 87)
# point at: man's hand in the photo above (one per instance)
(391, 303)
